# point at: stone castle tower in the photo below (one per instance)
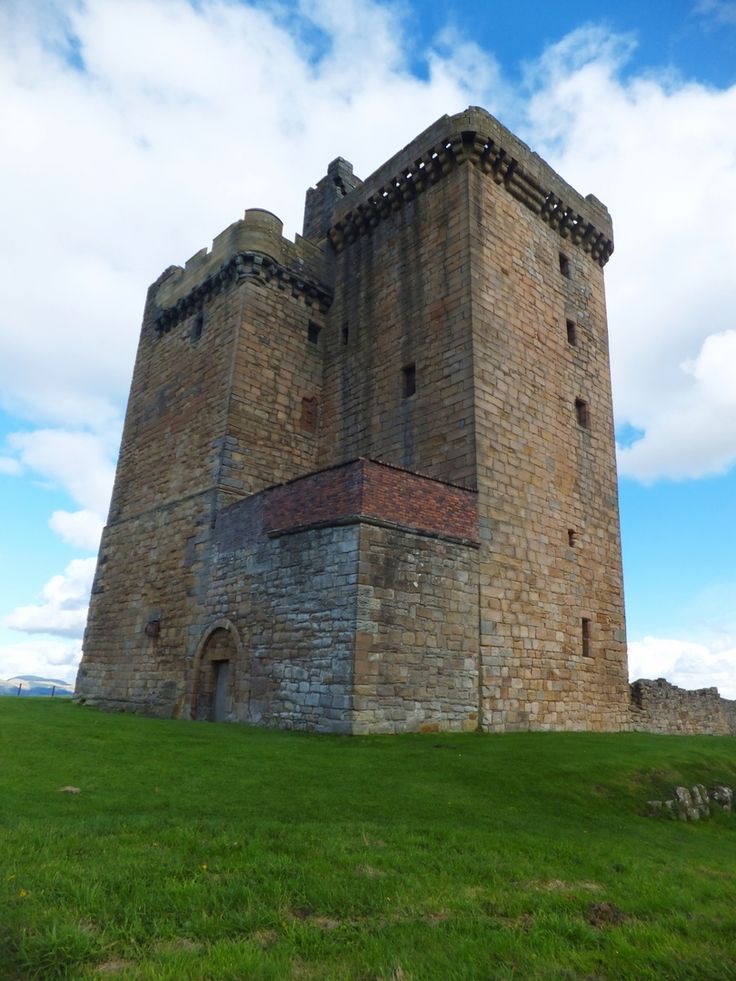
(367, 479)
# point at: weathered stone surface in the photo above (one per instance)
(692, 804)
(444, 319)
(658, 706)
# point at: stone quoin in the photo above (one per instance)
(367, 479)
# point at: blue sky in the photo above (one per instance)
(135, 130)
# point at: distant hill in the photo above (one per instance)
(32, 684)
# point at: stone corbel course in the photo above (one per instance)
(481, 150)
(243, 265)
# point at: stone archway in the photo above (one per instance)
(214, 694)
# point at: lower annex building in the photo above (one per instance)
(367, 479)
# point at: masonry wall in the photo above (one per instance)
(547, 491)
(271, 433)
(291, 601)
(658, 706)
(148, 583)
(216, 412)
(425, 325)
(402, 299)
(351, 628)
(147, 591)
(416, 646)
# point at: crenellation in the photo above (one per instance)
(367, 478)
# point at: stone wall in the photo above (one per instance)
(372, 490)
(362, 626)
(416, 646)
(658, 706)
(445, 317)
(402, 304)
(547, 490)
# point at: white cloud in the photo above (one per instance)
(76, 461)
(661, 153)
(10, 466)
(186, 114)
(695, 433)
(82, 529)
(189, 113)
(43, 656)
(686, 663)
(721, 11)
(64, 608)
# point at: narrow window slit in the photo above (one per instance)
(197, 327)
(585, 631)
(409, 373)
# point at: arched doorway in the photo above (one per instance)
(214, 675)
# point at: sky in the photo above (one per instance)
(134, 131)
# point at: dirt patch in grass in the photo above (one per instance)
(370, 872)
(113, 967)
(558, 885)
(604, 914)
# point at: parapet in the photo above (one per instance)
(321, 200)
(475, 137)
(257, 234)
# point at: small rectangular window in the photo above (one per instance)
(572, 337)
(197, 327)
(313, 332)
(564, 265)
(308, 420)
(409, 373)
(582, 414)
(585, 630)
(571, 537)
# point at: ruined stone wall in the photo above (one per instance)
(658, 706)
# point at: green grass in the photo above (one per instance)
(219, 852)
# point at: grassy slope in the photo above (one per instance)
(213, 851)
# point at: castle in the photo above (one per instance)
(367, 478)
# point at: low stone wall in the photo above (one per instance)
(658, 706)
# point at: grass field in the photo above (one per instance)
(197, 851)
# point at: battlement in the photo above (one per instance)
(475, 137)
(356, 492)
(258, 242)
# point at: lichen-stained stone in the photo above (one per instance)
(367, 479)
